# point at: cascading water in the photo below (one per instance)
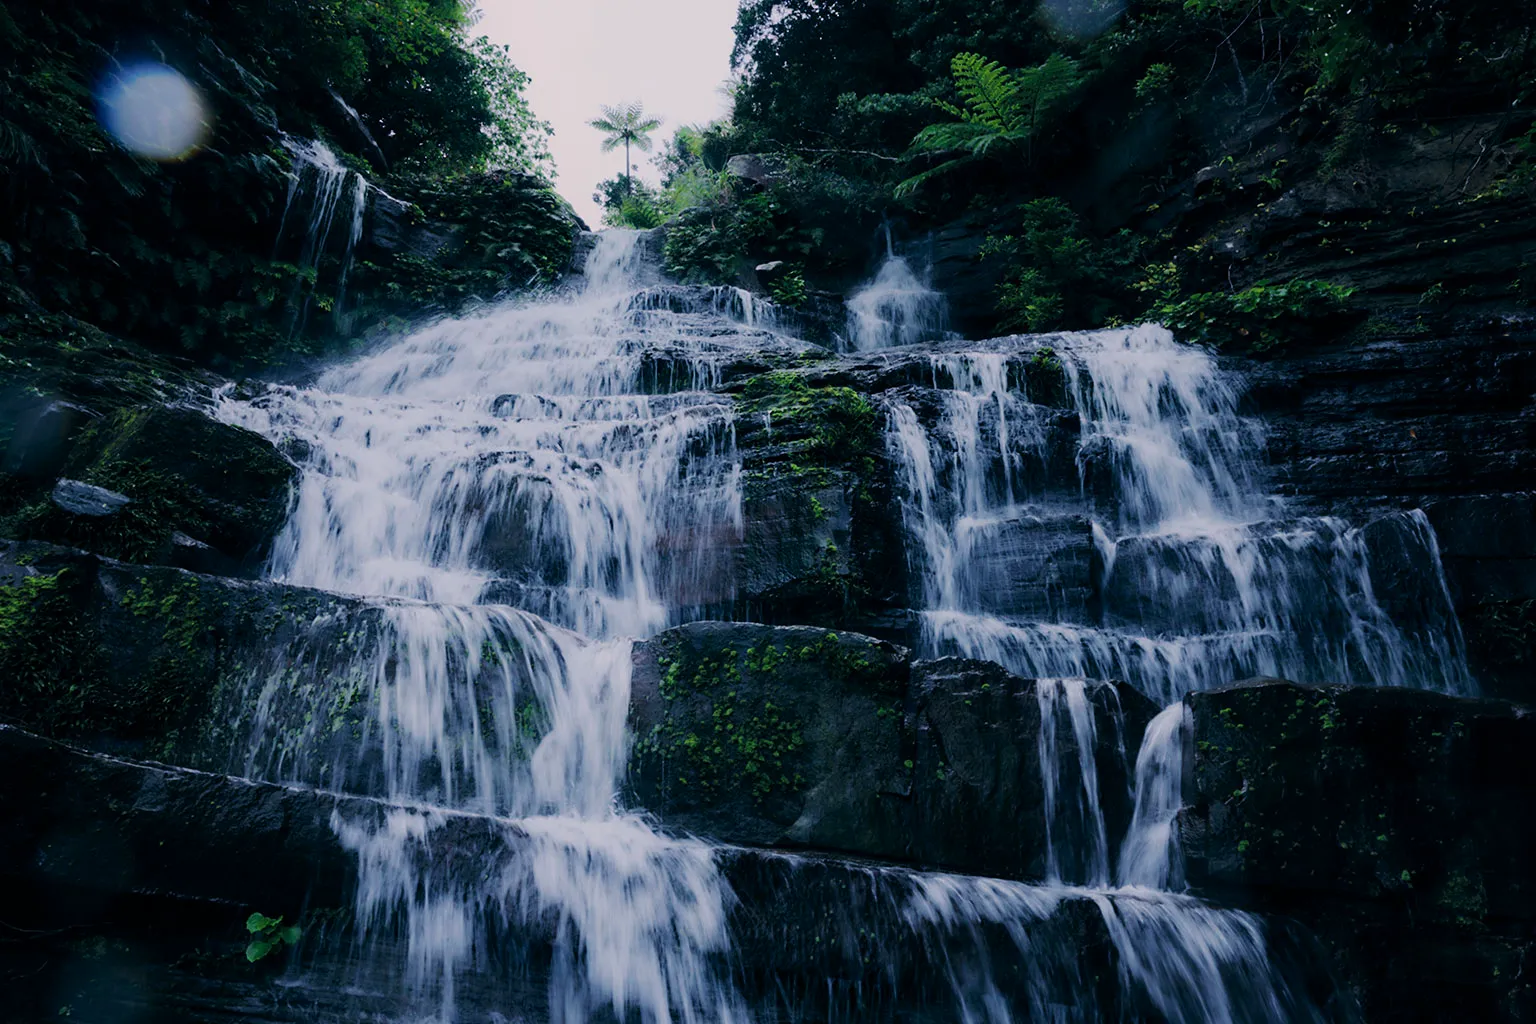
(1203, 579)
(895, 308)
(513, 494)
(1150, 855)
(512, 457)
(1141, 546)
(317, 192)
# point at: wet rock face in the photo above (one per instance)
(126, 925)
(1414, 411)
(162, 485)
(1394, 823)
(148, 660)
(1488, 547)
(763, 734)
(979, 803)
(788, 736)
(821, 539)
(804, 738)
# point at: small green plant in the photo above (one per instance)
(789, 289)
(1262, 318)
(1045, 358)
(1158, 79)
(268, 935)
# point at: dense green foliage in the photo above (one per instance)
(1057, 274)
(181, 255)
(1259, 318)
(1002, 110)
(501, 230)
(1081, 159)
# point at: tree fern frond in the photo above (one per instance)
(988, 89)
(1042, 86)
(947, 137)
(920, 179)
(950, 109)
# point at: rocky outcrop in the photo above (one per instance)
(112, 920)
(138, 658)
(1431, 411)
(775, 736)
(1413, 409)
(92, 416)
(1393, 823)
(822, 543)
(1488, 549)
(799, 737)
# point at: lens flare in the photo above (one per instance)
(154, 111)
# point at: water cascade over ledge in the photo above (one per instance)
(519, 493)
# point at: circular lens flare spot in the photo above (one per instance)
(152, 110)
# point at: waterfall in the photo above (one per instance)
(895, 308)
(1074, 827)
(514, 494)
(511, 458)
(1150, 856)
(317, 192)
(1202, 577)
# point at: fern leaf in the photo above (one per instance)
(990, 92)
(917, 181)
(1041, 87)
(950, 136)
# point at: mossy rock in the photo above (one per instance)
(217, 484)
(1394, 823)
(820, 426)
(155, 661)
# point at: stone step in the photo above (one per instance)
(1394, 823)
(131, 883)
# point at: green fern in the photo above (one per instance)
(1002, 109)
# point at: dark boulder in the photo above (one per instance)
(979, 803)
(800, 737)
(1394, 823)
(1488, 549)
(154, 661)
(40, 437)
(768, 735)
(179, 471)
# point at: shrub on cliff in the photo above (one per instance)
(179, 255)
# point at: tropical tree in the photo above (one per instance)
(1003, 110)
(626, 125)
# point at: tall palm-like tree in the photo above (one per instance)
(629, 125)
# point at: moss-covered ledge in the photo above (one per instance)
(1394, 823)
(807, 738)
(202, 494)
(823, 541)
(142, 660)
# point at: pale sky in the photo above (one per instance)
(671, 55)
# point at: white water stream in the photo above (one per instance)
(1201, 577)
(518, 492)
(512, 456)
